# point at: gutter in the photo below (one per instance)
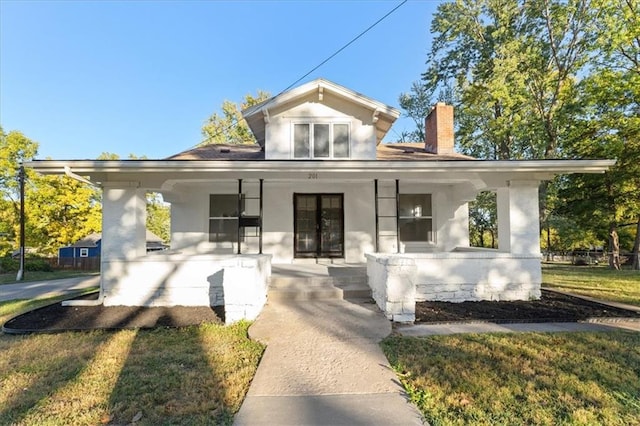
(68, 172)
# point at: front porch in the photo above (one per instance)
(244, 283)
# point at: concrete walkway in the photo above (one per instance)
(40, 289)
(323, 366)
(545, 327)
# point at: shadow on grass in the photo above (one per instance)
(33, 367)
(169, 374)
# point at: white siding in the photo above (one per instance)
(278, 140)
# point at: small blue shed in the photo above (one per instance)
(89, 247)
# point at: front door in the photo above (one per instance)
(318, 225)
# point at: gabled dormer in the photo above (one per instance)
(320, 120)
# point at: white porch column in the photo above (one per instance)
(123, 220)
(518, 218)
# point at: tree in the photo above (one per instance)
(67, 210)
(15, 148)
(512, 65)
(229, 127)
(609, 127)
(416, 105)
(483, 212)
(158, 216)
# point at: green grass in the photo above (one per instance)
(521, 379)
(599, 282)
(192, 375)
(10, 278)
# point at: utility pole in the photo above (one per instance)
(20, 276)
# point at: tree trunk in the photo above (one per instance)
(614, 247)
(636, 249)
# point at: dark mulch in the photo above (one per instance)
(552, 307)
(55, 317)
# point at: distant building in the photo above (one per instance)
(89, 247)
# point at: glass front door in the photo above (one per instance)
(319, 225)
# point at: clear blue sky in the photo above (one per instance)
(141, 77)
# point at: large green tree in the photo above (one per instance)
(15, 148)
(608, 126)
(60, 211)
(228, 127)
(547, 78)
(513, 67)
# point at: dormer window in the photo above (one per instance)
(321, 140)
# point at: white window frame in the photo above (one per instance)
(311, 124)
(419, 216)
(84, 252)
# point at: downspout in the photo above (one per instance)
(100, 299)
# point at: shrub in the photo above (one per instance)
(8, 264)
(37, 265)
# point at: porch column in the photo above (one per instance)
(518, 218)
(124, 215)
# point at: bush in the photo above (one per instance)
(37, 265)
(8, 264)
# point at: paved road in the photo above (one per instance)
(39, 289)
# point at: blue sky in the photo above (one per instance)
(141, 77)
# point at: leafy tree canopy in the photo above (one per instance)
(228, 127)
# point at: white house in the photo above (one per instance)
(320, 184)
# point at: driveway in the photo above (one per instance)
(40, 289)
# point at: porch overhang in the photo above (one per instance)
(165, 174)
(103, 167)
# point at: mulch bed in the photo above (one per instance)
(552, 307)
(55, 317)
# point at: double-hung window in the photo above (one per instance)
(321, 140)
(84, 252)
(223, 217)
(416, 219)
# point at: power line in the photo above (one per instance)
(353, 40)
(345, 46)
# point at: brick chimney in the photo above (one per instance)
(438, 130)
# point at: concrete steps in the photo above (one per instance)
(297, 288)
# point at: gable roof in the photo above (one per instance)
(89, 241)
(257, 115)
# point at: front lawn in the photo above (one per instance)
(192, 375)
(521, 379)
(599, 282)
